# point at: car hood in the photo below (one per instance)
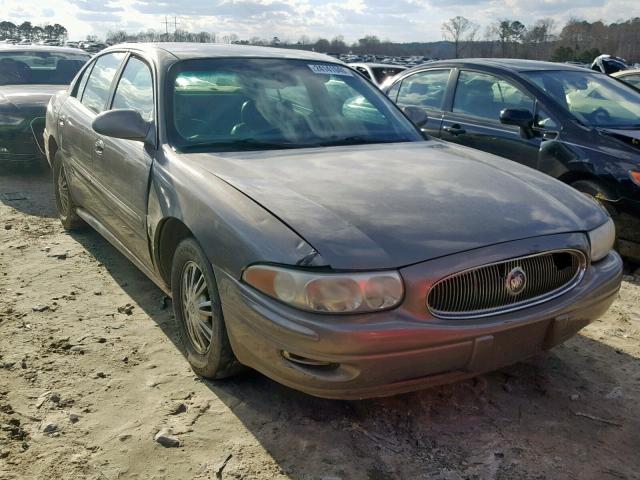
(628, 139)
(390, 205)
(29, 97)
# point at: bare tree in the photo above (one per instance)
(457, 30)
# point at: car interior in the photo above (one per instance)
(273, 109)
(17, 72)
(486, 96)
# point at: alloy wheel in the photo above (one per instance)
(196, 307)
(63, 192)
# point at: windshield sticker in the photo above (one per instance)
(331, 70)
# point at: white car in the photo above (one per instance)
(378, 72)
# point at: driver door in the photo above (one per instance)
(124, 166)
(474, 119)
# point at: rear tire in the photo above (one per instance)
(198, 311)
(64, 203)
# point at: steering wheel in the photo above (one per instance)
(195, 127)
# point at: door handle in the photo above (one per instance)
(455, 130)
(99, 147)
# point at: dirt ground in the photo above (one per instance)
(89, 373)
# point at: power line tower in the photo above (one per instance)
(166, 28)
(175, 28)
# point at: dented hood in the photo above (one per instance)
(391, 205)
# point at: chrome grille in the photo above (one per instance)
(483, 290)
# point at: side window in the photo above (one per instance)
(483, 95)
(543, 119)
(424, 89)
(96, 92)
(82, 81)
(393, 91)
(135, 89)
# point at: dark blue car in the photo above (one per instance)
(577, 125)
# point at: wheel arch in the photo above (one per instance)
(169, 233)
(573, 176)
(52, 148)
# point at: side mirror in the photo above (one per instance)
(520, 118)
(126, 124)
(416, 115)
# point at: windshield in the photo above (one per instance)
(24, 67)
(594, 99)
(255, 104)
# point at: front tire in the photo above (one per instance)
(64, 203)
(597, 191)
(198, 312)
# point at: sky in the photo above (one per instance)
(396, 20)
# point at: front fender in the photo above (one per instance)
(233, 230)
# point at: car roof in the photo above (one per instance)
(184, 51)
(41, 48)
(513, 64)
(376, 65)
(622, 73)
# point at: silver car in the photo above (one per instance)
(340, 253)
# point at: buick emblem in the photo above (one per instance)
(516, 281)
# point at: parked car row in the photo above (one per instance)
(305, 227)
(406, 61)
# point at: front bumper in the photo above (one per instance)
(24, 144)
(406, 349)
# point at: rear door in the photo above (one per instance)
(474, 119)
(123, 166)
(425, 89)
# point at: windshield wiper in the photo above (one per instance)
(246, 143)
(633, 126)
(360, 140)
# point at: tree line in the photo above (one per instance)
(27, 31)
(577, 40)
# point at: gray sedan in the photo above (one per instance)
(338, 252)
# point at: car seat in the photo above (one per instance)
(14, 72)
(67, 69)
(477, 98)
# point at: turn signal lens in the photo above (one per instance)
(602, 240)
(328, 292)
(635, 177)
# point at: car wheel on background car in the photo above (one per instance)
(198, 312)
(595, 190)
(66, 208)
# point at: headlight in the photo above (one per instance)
(635, 177)
(602, 240)
(328, 292)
